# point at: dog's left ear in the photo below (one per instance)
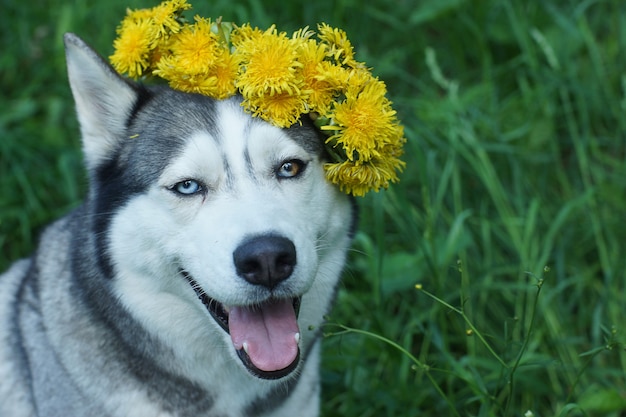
(104, 100)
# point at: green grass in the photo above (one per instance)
(511, 213)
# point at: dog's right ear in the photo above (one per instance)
(104, 100)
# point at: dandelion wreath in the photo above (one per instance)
(279, 77)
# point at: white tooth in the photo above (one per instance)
(297, 337)
(245, 347)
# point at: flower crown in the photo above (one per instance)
(280, 78)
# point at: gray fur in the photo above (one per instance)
(72, 340)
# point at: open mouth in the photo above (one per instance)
(265, 335)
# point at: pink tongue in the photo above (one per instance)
(269, 332)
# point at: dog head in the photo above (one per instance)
(217, 230)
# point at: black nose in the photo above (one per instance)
(265, 260)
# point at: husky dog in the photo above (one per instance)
(194, 278)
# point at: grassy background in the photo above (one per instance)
(511, 214)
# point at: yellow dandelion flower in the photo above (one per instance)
(137, 15)
(357, 178)
(321, 89)
(245, 34)
(193, 83)
(225, 70)
(132, 48)
(268, 63)
(310, 54)
(165, 16)
(195, 48)
(339, 47)
(179, 5)
(282, 110)
(198, 63)
(336, 76)
(363, 122)
(358, 78)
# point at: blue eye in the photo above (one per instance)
(188, 187)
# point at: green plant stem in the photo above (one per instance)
(515, 366)
(471, 326)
